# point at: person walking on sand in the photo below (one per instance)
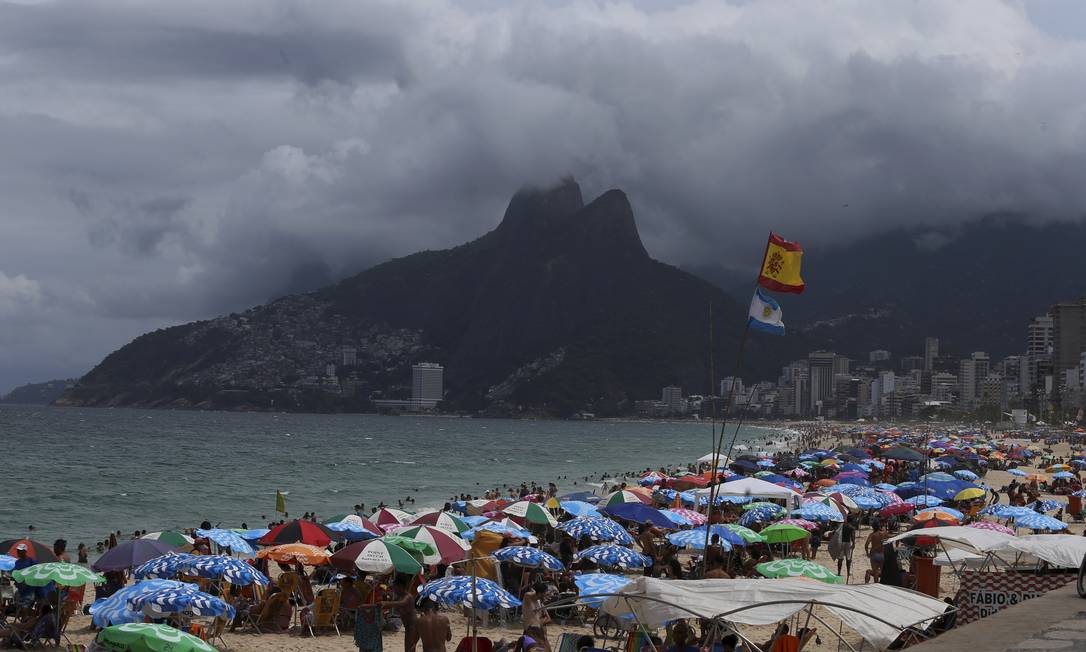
(404, 604)
(434, 629)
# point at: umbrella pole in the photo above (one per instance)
(474, 623)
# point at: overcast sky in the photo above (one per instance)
(167, 161)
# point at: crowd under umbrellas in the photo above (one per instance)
(757, 516)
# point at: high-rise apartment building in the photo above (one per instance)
(820, 365)
(427, 383)
(931, 352)
(1068, 333)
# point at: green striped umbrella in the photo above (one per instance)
(763, 505)
(375, 556)
(797, 568)
(145, 637)
(58, 572)
(784, 533)
(417, 549)
(531, 512)
(172, 537)
(745, 533)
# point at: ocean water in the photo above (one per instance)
(81, 473)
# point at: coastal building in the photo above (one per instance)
(820, 369)
(842, 365)
(1038, 352)
(878, 355)
(672, 398)
(943, 386)
(931, 352)
(427, 383)
(730, 384)
(971, 375)
(1068, 333)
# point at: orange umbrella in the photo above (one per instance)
(825, 482)
(934, 518)
(1037, 477)
(303, 552)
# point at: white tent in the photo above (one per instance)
(1060, 550)
(878, 613)
(755, 488)
(970, 537)
(708, 459)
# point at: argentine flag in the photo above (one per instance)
(765, 313)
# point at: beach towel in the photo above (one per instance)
(836, 547)
(367, 629)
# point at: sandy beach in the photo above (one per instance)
(79, 629)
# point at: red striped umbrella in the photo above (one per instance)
(387, 518)
(449, 546)
(296, 531)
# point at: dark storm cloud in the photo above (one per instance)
(172, 161)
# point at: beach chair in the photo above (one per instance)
(271, 617)
(218, 626)
(325, 610)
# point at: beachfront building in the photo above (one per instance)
(1068, 333)
(878, 355)
(427, 382)
(672, 399)
(931, 352)
(820, 369)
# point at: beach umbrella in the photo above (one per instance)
(904, 454)
(924, 501)
(676, 519)
(1006, 511)
(7, 562)
(596, 528)
(355, 528)
(609, 555)
(299, 552)
(754, 516)
(938, 476)
(624, 496)
(799, 522)
(933, 518)
(1018, 472)
(886, 486)
(57, 572)
(1046, 505)
(469, 592)
(181, 600)
(652, 478)
(167, 566)
(388, 517)
(229, 569)
(896, 509)
(227, 539)
(965, 474)
(797, 568)
(375, 556)
(1062, 475)
(528, 557)
(694, 539)
(782, 533)
(505, 527)
(36, 550)
(298, 531)
(1058, 467)
(132, 553)
(589, 584)
(417, 549)
(446, 521)
(995, 527)
(145, 637)
(531, 512)
(171, 537)
(971, 493)
(252, 535)
(638, 513)
(694, 518)
(819, 512)
(1037, 477)
(447, 547)
(578, 508)
(737, 535)
(115, 609)
(1034, 521)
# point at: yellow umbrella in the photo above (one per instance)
(552, 503)
(970, 493)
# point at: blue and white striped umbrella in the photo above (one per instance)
(965, 474)
(499, 527)
(458, 591)
(227, 539)
(695, 539)
(675, 517)
(598, 583)
(175, 600)
(610, 556)
(7, 562)
(1047, 505)
(759, 515)
(596, 528)
(528, 557)
(1019, 472)
(1035, 521)
(165, 567)
(115, 609)
(351, 531)
(924, 501)
(886, 486)
(579, 508)
(1006, 511)
(1062, 475)
(253, 535)
(474, 521)
(720, 500)
(232, 570)
(819, 513)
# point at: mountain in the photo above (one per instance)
(558, 309)
(38, 393)
(975, 286)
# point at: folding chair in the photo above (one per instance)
(325, 611)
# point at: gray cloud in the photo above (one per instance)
(166, 162)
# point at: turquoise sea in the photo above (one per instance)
(80, 473)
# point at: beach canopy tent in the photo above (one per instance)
(721, 459)
(970, 537)
(755, 488)
(1060, 550)
(876, 612)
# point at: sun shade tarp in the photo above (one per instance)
(1059, 550)
(971, 537)
(655, 602)
(755, 488)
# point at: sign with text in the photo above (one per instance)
(984, 593)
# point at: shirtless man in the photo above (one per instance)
(873, 549)
(433, 628)
(646, 538)
(404, 604)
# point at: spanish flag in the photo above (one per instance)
(780, 267)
